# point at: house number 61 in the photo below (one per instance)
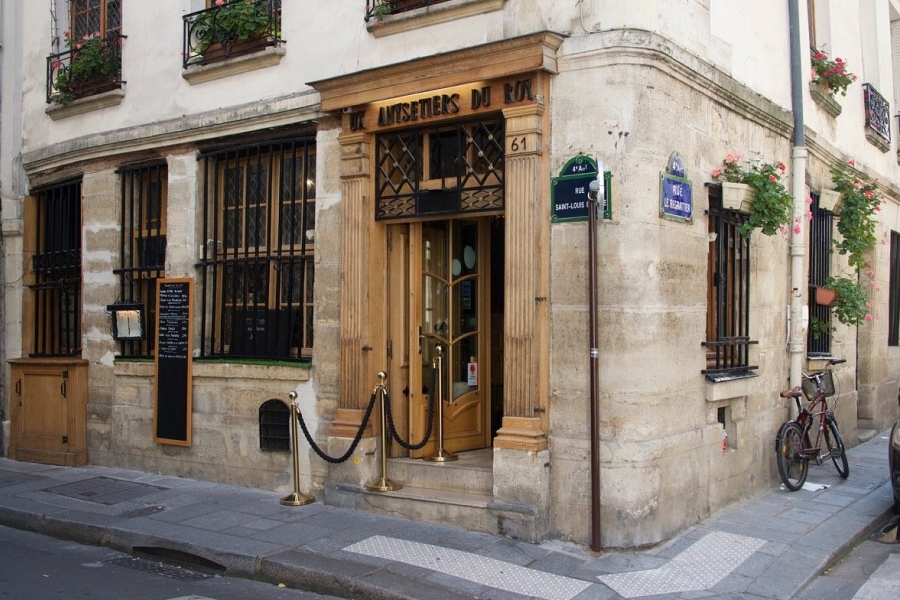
(518, 144)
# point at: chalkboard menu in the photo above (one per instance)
(172, 418)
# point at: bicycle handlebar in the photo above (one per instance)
(837, 361)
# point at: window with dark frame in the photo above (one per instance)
(894, 292)
(53, 241)
(142, 247)
(101, 18)
(258, 271)
(448, 168)
(728, 294)
(818, 336)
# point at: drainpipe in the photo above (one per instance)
(594, 195)
(799, 276)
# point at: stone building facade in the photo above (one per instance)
(408, 195)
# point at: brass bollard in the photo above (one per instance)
(296, 498)
(383, 484)
(440, 455)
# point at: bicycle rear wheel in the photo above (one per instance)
(836, 448)
(792, 463)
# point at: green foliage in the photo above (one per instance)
(91, 59)
(772, 205)
(232, 21)
(857, 218)
(831, 74)
(382, 9)
(852, 304)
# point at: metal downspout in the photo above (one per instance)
(799, 276)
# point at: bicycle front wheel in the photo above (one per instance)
(792, 463)
(836, 449)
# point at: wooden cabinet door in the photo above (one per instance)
(47, 410)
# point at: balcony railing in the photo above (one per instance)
(377, 9)
(234, 28)
(90, 67)
(878, 114)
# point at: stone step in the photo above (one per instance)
(461, 477)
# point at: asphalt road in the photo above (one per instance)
(35, 567)
(857, 575)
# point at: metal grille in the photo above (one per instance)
(259, 227)
(818, 337)
(56, 265)
(274, 426)
(92, 67)
(878, 112)
(142, 247)
(232, 29)
(728, 308)
(396, 6)
(440, 170)
(894, 297)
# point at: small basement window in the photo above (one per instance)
(274, 426)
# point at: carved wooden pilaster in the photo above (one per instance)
(525, 282)
(355, 387)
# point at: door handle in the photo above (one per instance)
(62, 389)
(421, 337)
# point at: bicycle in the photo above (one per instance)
(793, 447)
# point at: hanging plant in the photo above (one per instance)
(771, 205)
(857, 221)
(852, 306)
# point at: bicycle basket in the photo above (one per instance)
(809, 384)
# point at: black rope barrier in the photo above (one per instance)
(352, 447)
(428, 428)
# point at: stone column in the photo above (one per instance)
(525, 311)
(356, 376)
(521, 464)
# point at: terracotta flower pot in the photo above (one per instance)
(825, 296)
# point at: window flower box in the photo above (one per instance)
(831, 200)
(737, 196)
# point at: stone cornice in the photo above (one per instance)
(273, 112)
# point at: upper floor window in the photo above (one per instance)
(100, 18)
(53, 247)
(88, 58)
(258, 271)
(142, 247)
(728, 293)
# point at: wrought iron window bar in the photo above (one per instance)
(235, 28)
(379, 8)
(257, 265)
(878, 114)
(56, 263)
(92, 67)
(818, 341)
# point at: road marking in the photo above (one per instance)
(704, 564)
(473, 567)
(884, 582)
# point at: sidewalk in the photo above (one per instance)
(767, 546)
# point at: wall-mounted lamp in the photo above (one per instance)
(127, 320)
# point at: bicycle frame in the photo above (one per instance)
(815, 411)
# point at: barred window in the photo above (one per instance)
(818, 337)
(142, 247)
(258, 274)
(728, 293)
(53, 241)
(894, 292)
